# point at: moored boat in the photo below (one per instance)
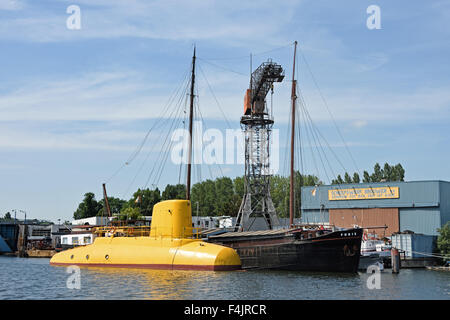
(170, 243)
(296, 249)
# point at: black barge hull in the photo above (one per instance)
(337, 251)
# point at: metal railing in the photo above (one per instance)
(146, 231)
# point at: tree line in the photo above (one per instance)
(385, 174)
(219, 197)
(222, 196)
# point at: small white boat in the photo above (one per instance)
(372, 252)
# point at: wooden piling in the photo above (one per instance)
(395, 260)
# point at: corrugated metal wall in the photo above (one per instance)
(347, 218)
(315, 216)
(420, 220)
(445, 202)
(414, 245)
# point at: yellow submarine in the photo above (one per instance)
(169, 244)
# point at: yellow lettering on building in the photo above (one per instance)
(364, 193)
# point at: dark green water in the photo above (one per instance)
(22, 278)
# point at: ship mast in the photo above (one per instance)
(105, 197)
(191, 115)
(291, 182)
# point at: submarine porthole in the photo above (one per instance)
(107, 257)
(87, 257)
(71, 257)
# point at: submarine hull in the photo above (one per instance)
(145, 252)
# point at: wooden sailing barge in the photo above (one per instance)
(296, 248)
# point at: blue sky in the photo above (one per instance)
(74, 104)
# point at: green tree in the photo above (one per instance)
(130, 213)
(224, 192)
(347, 178)
(145, 200)
(115, 205)
(239, 186)
(7, 216)
(203, 193)
(386, 172)
(443, 241)
(279, 190)
(338, 180)
(356, 178)
(377, 175)
(89, 207)
(366, 178)
(171, 192)
(398, 173)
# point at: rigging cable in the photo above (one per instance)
(328, 109)
(315, 131)
(214, 96)
(223, 68)
(160, 123)
(164, 154)
(141, 145)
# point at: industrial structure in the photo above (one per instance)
(415, 206)
(18, 237)
(257, 123)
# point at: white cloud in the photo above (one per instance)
(117, 96)
(18, 137)
(164, 19)
(11, 5)
(92, 96)
(359, 123)
(359, 105)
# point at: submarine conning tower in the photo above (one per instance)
(172, 219)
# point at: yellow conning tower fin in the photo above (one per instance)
(172, 219)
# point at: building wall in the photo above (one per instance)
(315, 216)
(420, 220)
(80, 239)
(373, 217)
(10, 233)
(445, 202)
(414, 245)
(93, 221)
(4, 246)
(423, 206)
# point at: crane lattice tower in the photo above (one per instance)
(256, 124)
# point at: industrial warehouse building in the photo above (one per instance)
(418, 206)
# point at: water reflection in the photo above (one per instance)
(150, 284)
(22, 278)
